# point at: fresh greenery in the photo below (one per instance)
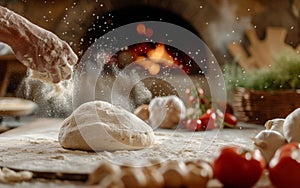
(283, 74)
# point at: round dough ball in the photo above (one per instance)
(100, 126)
(166, 112)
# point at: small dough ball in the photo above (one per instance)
(142, 112)
(275, 125)
(133, 177)
(199, 173)
(174, 174)
(104, 169)
(101, 126)
(111, 181)
(166, 112)
(154, 177)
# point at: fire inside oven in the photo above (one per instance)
(153, 57)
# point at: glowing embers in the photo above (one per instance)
(155, 58)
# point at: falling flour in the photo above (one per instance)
(54, 100)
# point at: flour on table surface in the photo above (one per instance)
(35, 152)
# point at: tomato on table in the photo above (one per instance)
(284, 167)
(230, 120)
(192, 124)
(209, 120)
(238, 167)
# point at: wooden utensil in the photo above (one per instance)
(11, 106)
(262, 52)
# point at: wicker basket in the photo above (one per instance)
(254, 106)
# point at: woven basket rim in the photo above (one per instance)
(258, 106)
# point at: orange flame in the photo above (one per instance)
(154, 57)
(160, 55)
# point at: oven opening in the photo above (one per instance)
(144, 53)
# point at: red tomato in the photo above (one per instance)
(284, 167)
(237, 167)
(208, 120)
(192, 124)
(230, 120)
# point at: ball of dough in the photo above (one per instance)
(166, 112)
(100, 126)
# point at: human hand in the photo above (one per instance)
(50, 58)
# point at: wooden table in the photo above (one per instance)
(35, 147)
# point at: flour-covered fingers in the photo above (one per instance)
(55, 74)
(65, 69)
(71, 56)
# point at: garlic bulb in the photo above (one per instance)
(275, 125)
(291, 126)
(267, 142)
(166, 112)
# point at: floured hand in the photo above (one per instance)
(49, 57)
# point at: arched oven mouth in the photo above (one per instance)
(148, 50)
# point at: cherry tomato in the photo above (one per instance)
(205, 122)
(191, 124)
(209, 120)
(238, 167)
(284, 167)
(230, 120)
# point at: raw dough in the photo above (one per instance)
(99, 126)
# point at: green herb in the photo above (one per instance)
(283, 74)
